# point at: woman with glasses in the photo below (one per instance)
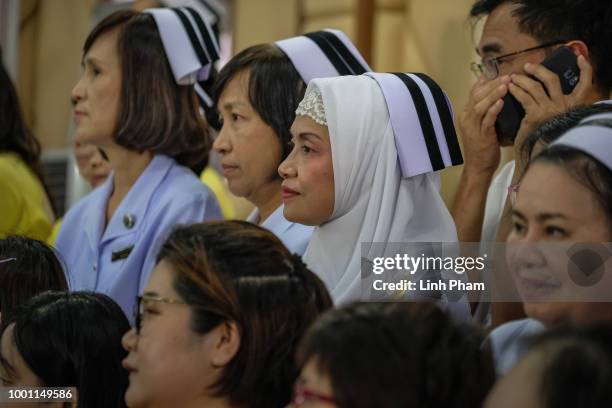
(409, 355)
(219, 320)
(60, 339)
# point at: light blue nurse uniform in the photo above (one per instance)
(295, 236)
(509, 342)
(117, 260)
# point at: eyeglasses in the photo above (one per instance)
(139, 307)
(303, 396)
(490, 65)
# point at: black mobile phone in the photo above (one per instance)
(562, 62)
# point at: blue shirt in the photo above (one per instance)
(295, 236)
(508, 342)
(118, 260)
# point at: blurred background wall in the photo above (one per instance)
(431, 36)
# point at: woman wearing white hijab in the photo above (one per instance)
(257, 93)
(362, 170)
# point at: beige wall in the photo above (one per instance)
(408, 35)
(51, 38)
(260, 21)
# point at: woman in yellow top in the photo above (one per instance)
(25, 207)
(211, 177)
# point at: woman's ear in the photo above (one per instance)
(226, 345)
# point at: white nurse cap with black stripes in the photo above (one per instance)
(593, 135)
(323, 54)
(422, 121)
(190, 46)
(211, 10)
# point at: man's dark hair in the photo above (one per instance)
(275, 87)
(565, 20)
(396, 355)
(156, 114)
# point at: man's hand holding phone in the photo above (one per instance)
(560, 82)
(542, 95)
(477, 124)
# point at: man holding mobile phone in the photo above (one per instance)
(517, 36)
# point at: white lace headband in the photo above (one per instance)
(312, 106)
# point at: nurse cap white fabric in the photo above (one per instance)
(422, 121)
(593, 136)
(323, 54)
(190, 46)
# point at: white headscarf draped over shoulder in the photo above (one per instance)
(377, 199)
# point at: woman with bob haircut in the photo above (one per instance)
(60, 339)
(392, 355)
(27, 267)
(220, 319)
(132, 105)
(256, 94)
(25, 206)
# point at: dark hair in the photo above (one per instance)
(275, 87)
(30, 267)
(74, 340)
(585, 169)
(235, 271)
(156, 114)
(565, 20)
(577, 369)
(554, 127)
(14, 134)
(399, 355)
